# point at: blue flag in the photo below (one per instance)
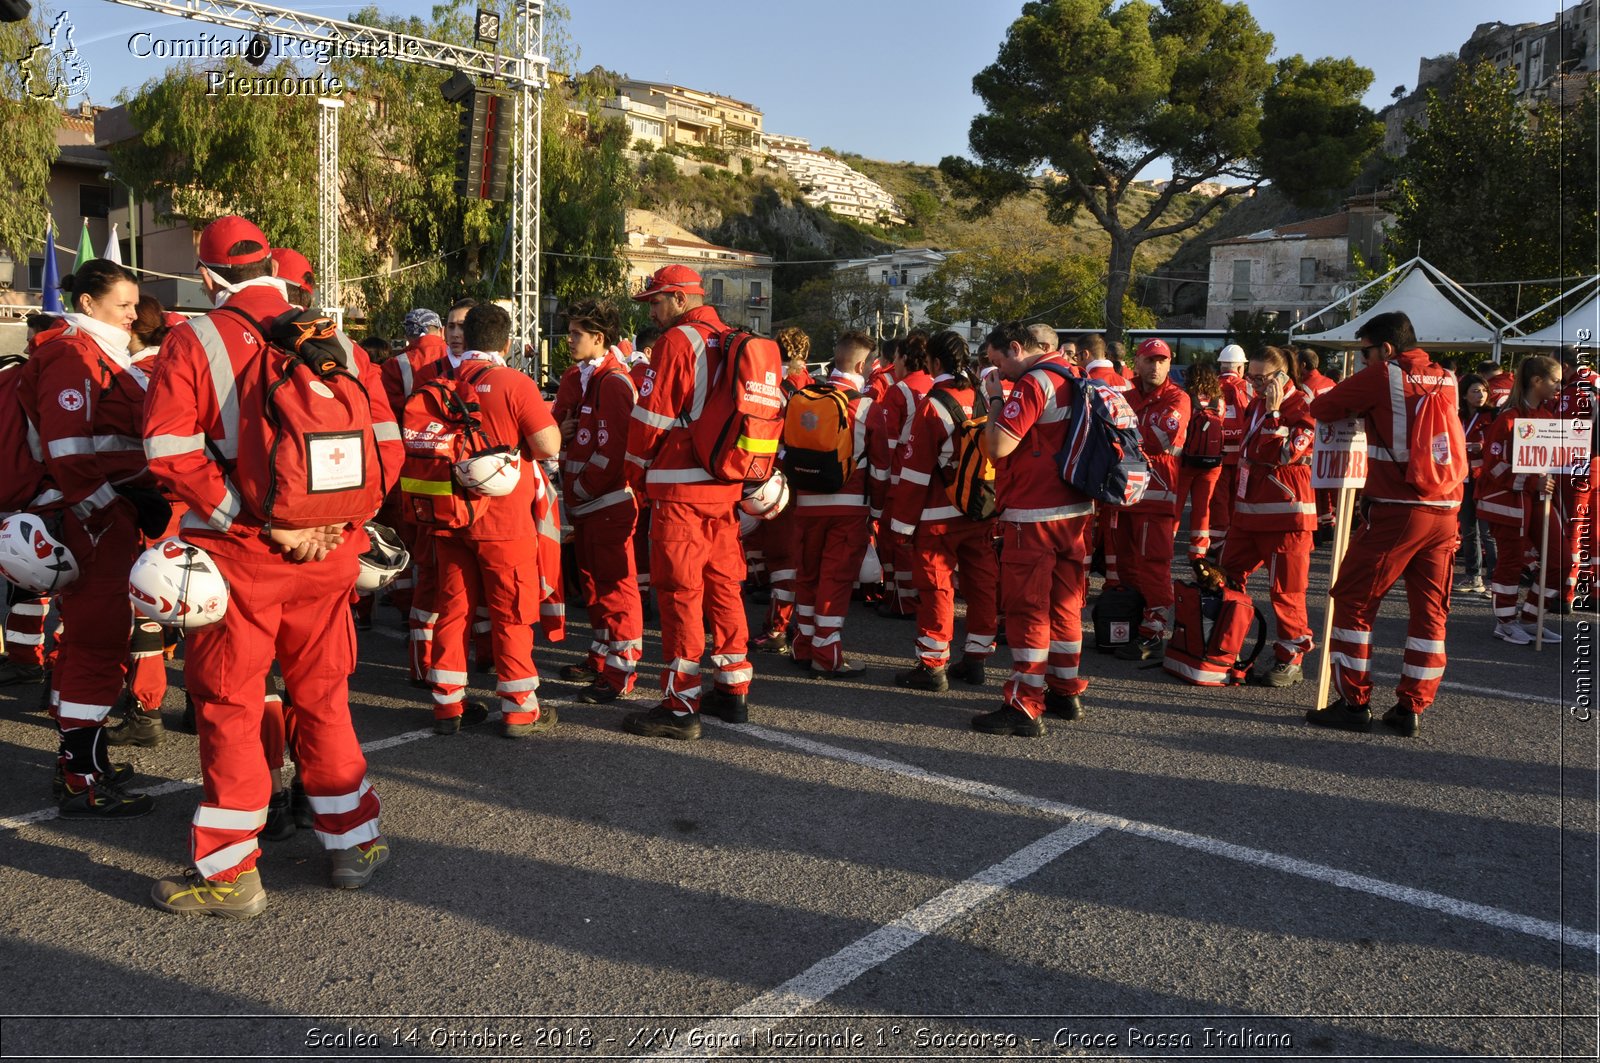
(52, 275)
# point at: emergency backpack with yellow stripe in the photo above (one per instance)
(818, 441)
(737, 426)
(439, 427)
(969, 478)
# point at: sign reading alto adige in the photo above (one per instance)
(1551, 445)
(1339, 455)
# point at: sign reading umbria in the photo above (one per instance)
(1339, 455)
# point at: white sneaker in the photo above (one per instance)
(1512, 633)
(1532, 630)
(1470, 586)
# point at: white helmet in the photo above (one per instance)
(494, 472)
(385, 559)
(176, 584)
(871, 568)
(766, 500)
(32, 558)
(1231, 353)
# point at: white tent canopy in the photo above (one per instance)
(1578, 327)
(1455, 321)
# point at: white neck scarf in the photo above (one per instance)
(112, 340)
(228, 291)
(475, 356)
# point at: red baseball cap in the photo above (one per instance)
(293, 267)
(1153, 348)
(671, 279)
(220, 235)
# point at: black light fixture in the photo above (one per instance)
(488, 27)
(257, 51)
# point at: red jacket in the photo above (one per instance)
(1274, 487)
(1037, 414)
(1499, 387)
(1506, 497)
(85, 422)
(656, 442)
(886, 430)
(920, 500)
(1315, 383)
(1370, 395)
(879, 381)
(797, 380)
(187, 422)
(594, 468)
(569, 393)
(1236, 399)
(1102, 370)
(851, 500)
(411, 368)
(1475, 430)
(1163, 423)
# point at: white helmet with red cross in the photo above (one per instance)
(178, 585)
(33, 558)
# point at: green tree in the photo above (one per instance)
(28, 149)
(1492, 190)
(1097, 92)
(997, 283)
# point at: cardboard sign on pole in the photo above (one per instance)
(1551, 445)
(1339, 455)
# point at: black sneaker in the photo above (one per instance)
(1008, 720)
(137, 728)
(578, 673)
(280, 824)
(472, 712)
(104, 799)
(1066, 706)
(923, 677)
(13, 672)
(543, 722)
(1139, 649)
(969, 670)
(119, 775)
(1403, 722)
(662, 722)
(599, 692)
(729, 708)
(1343, 716)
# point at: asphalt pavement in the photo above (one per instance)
(856, 873)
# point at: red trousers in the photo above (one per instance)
(1222, 503)
(1287, 555)
(899, 579)
(1042, 582)
(1139, 548)
(1517, 548)
(424, 615)
(147, 665)
(697, 565)
(829, 553)
(504, 575)
(298, 614)
(641, 548)
(603, 544)
(775, 545)
(936, 555)
(405, 583)
(1196, 488)
(25, 623)
(1414, 542)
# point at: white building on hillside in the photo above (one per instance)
(826, 182)
(901, 271)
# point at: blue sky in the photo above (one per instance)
(890, 79)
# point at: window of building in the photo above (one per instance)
(36, 272)
(1308, 271)
(1241, 279)
(94, 201)
(755, 291)
(716, 290)
(905, 275)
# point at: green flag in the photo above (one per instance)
(85, 248)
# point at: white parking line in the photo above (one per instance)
(827, 976)
(1481, 913)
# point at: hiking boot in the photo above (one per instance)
(1281, 674)
(1403, 722)
(104, 799)
(14, 672)
(729, 708)
(280, 824)
(969, 670)
(119, 775)
(190, 894)
(845, 670)
(771, 642)
(137, 728)
(578, 673)
(1140, 649)
(923, 677)
(543, 722)
(472, 712)
(599, 692)
(1066, 706)
(1008, 720)
(1512, 633)
(1343, 716)
(349, 869)
(662, 722)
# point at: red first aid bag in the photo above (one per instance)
(21, 471)
(440, 426)
(736, 422)
(1209, 629)
(1436, 441)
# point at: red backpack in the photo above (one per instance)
(736, 421)
(1435, 439)
(1210, 623)
(308, 449)
(440, 426)
(1202, 446)
(21, 472)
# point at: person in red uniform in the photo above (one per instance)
(833, 530)
(1142, 537)
(941, 539)
(289, 590)
(1196, 484)
(696, 562)
(599, 502)
(1040, 528)
(1477, 542)
(1274, 511)
(885, 439)
(1097, 365)
(777, 541)
(1313, 383)
(402, 374)
(84, 403)
(1408, 532)
(1510, 502)
(638, 365)
(1235, 400)
(495, 559)
(1499, 384)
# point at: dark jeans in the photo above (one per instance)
(1477, 542)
